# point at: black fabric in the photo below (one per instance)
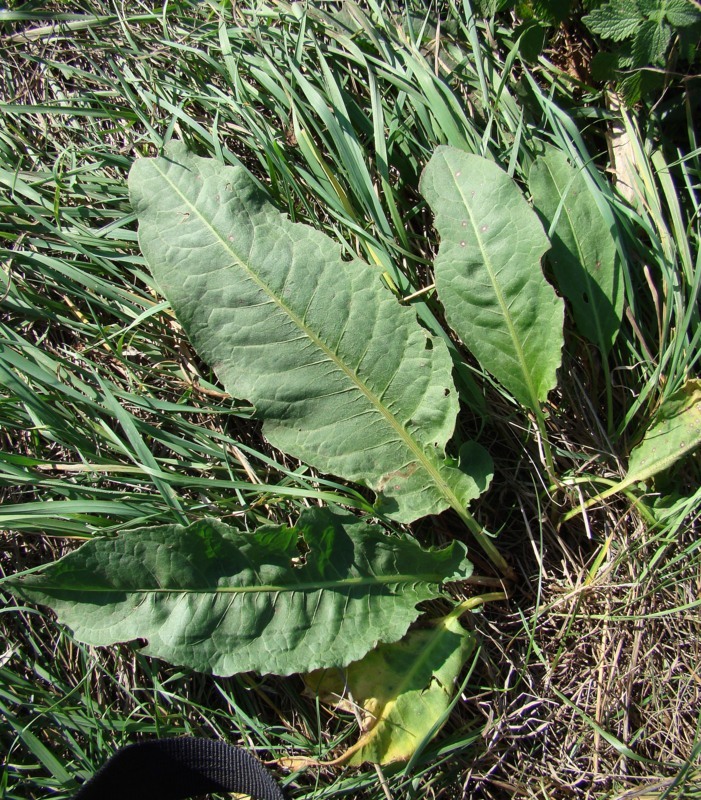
(171, 769)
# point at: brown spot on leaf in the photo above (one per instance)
(390, 477)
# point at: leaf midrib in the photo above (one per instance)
(440, 632)
(535, 401)
(403, 434)
(312, 586)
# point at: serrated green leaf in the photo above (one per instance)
(343, 376)
(681, 13)
(651, 43)
(624, 52)
(583, 257)
(217, 600)
(656, 15)
(631, 87)
(617, 20)
(488, 273)
(403, 690)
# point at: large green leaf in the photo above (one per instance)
(342, 374)
(488, 272)
(279, 600)
(404, 690)
(584, 258)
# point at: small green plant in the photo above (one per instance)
(650, 37)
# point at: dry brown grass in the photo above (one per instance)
(599, 691)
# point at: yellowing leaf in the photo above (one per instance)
(403, 690)
(675, 432)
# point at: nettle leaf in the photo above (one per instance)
(651, 43)
(343, 376)
(279, 600)
(681, 13)
(403, 690)
(624, 53)
(488, 272)
(617, 20)
(583, 257)
(633, 87)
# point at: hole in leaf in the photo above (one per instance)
(585, 297)
(303, 551)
